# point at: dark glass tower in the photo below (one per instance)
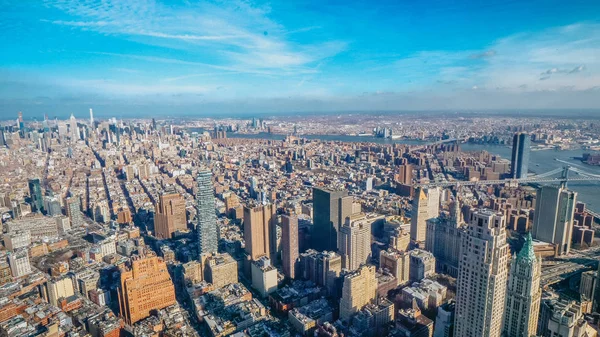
(208, 239)
(35, 191)
(520, 155)
(330, 209)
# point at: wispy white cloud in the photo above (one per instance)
(554, 59)
(189, 76)
(235, 34)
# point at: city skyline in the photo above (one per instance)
(144, 225)
(298, 168)
(165, 58)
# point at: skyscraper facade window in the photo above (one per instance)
(208, 239)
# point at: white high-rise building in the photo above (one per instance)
(73, 129)
(524, 293)
(91, 118)
(355, 243)
(19, 263)
(482, 276)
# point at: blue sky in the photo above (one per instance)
(159, 57)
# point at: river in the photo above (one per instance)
(539, 161)
(337, 138)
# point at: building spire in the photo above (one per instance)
(527, 253)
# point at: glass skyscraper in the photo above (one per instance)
(331, 207)
(520, 155)
(35, 192)
(208, 239)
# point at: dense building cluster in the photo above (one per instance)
(152, 228)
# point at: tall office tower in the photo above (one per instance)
(289, 244)
(330, 211)
(419, 216)
(397, 264)
(520, 155)
(35, 192)
(359, 289)
(405, 175)
(523, 293)
(21, 125)
(258, 223)
(253, 187)
(73, 129)
(553, 217)
(588, 286)
(74, 211)
(52, 205)
(91, 118)
(482, 276)
(355, 243)
(444, 235)
(169, 215)
(433, 202)
(145, 287)
(208, 237)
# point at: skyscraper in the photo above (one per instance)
(523, 293)
(553, 217)
(482, 276)
(426, 205)
(355, 243)
(520, 155)
(330, 211)
(208, 238)
(358, 290)
(74, 211)
(35, 192)
(91, 118)
(405, 175)
(289, 244)
(145, 287)
(258, 223)
(169, 215)
(444, 235)
(73, 129)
